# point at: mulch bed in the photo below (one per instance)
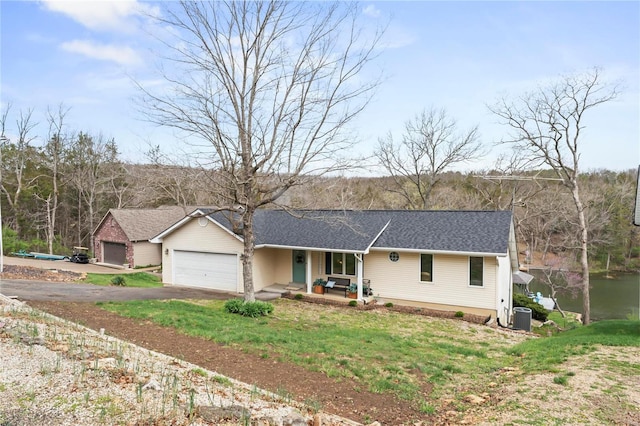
(414, 310)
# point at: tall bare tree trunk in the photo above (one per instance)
(584, 255)
(247, 256)
(272, 88)
(547, 126)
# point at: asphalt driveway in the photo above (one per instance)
(70, 292)
(28, 290)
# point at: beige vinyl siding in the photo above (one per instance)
(194, 237)
(283, 265)
(450, 286)
(146, 253)
(275, 266)
(281, 262)
(265, 270)
(317, 266)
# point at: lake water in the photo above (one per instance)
(611, 298)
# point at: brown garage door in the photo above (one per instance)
(114, 253)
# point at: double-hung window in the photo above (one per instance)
(340, 263)
(476, 271)
(426, 267)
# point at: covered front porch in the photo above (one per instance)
(343, 269)
(294, 288)
(339, 298)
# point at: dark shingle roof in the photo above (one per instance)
(449, 231)
(143, 224)
(466, 231)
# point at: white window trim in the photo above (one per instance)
(433, 261)
(344, 265)
(484, 268)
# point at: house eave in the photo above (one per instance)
(102, 221)
(449, 252)
(368, 249)
(325, 249)
(197, 214)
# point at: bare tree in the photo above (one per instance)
(430, 146)
(91, 162)
(16, 157)
(53, 160)
(267, 89)
(547, 126)
(557, 275)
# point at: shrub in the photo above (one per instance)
(11, 243)
(248, 309)
(256, 309)
(298, 296)
(388, 305)
(118, 280)
(353, 303)
(459, 314)
(560, 380)
(319, 281)
(233, 306)
(538, 312)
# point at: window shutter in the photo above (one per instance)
(327, 263)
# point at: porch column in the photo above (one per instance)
(359, 272)
(308, 272)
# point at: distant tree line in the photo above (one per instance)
(54, 195)
(543, 211)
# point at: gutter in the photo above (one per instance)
(451, 252)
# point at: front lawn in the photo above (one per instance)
(383, 351)
(135, 279)
(405, 354)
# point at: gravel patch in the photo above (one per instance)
(53, 372)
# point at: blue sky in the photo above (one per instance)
(459, 56)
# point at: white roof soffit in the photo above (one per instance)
(197, 214)
(426, 251)
(323, 249)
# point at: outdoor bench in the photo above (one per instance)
(339, 284)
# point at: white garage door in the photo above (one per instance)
(209, 270)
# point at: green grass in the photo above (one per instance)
(544, 354)
(135, 279)
(385, 352)
(381, 351)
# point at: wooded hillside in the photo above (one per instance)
(54, 196)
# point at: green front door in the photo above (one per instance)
(299, 266)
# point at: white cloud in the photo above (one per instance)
(101, 15)
(119, 54)
(371, 11)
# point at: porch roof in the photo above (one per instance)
(358, 231)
